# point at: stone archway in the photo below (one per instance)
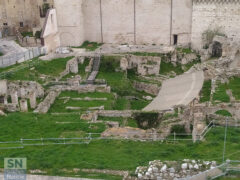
(216, 49)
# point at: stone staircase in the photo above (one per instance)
(95, 69)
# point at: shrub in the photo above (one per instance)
(178, 129)
(109, 63)
(223, 112)
(147, 120)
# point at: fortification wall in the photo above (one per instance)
(124, 21)
(70, 22)
(153, 21)
(212, 14)
(182, 21)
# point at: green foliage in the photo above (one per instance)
(109, 63)
(138, 104)
(60, 106)
(90, 46)
(223, 112)
(29, 34)
(121, 104)
(206, 91)
(234, 85)
(220, 94)
(146, 54)
(185, 50)
(167, 67)
(38, 34)
(147, 120)
(179, 129)
(1, 54)
(105, 154)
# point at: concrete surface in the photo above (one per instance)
(180, 90)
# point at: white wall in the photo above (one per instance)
(153, 21)
(118, 21)
(225, 16)
(92, 23)
(181, 21)
(80, 20)
(70, 22)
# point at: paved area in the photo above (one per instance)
(180, 90)
(9, 46)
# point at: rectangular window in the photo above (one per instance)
(175, 38)
(5, 24)
(21, 24)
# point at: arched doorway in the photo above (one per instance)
(217, 49)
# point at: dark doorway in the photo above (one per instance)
(175, 39)
(217, 49)
(1, 99)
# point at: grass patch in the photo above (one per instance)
(206, 91)
(90, 46)
(146, 54)
(234, 85)
(60, 104)
(220, 94)
(185, 50)
(31, 70)
(167, 67)
(29, 34)
(104, 154)
(29, 125)
(223, 112)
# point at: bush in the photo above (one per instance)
(178, 129)
(109, 63)
(38, 34)
(223, 112)
(147, 120)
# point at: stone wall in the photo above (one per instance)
(27, 11)
(124, 21)
(209, 14)
(147, 87)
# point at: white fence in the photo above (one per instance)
(13, 58)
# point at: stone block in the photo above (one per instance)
(23, 105)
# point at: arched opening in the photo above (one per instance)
(217, 49)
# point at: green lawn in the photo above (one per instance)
(118, 155)
(206, 91)
(59, 105)
(32, 69)
(220, 94)
(234, 85)
(223, 112)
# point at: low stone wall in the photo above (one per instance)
(44, 106)
(83, 88)
(146, 87)
(112, 113)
